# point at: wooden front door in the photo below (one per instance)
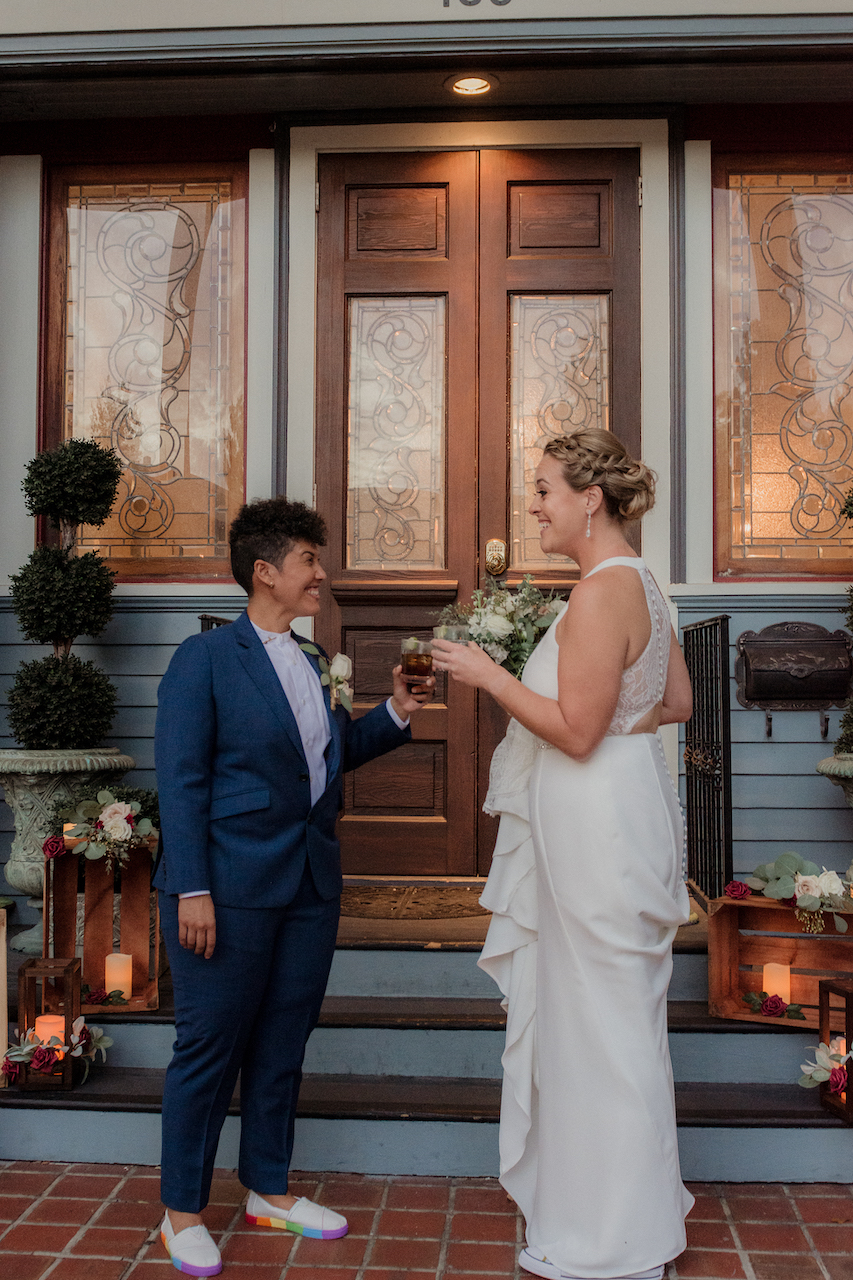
(470, 305)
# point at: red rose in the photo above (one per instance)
(774, 1007)
(53, 847)
(789, 902)
(737, 889)
(96, 997)
(43, 1059)
(838, 1080)
(85, 1039)
(11, 1070)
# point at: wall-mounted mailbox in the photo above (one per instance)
(794, 666)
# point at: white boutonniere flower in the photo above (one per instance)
(336, 674)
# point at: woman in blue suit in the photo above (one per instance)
(250, 756)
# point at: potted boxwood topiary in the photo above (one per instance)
(60, 707)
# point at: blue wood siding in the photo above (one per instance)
(779, 802)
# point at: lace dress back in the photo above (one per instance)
(644, 681)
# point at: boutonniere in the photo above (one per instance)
(336, 674)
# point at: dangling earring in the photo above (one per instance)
(588, 522)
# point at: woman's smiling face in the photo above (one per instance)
(560, 509)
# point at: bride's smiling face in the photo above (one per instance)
(560, 509)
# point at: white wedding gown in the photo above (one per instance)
(586, 892)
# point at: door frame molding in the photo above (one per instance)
(650, 136)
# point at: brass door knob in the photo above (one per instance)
(496, 560)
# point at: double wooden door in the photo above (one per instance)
(470, 305)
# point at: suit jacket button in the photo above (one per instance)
(303, 777)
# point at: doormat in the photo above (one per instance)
(410, 902)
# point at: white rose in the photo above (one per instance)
(340, 667)
(830, 884)
(497, 624)
(806, 885)
(118, 809)
(117, 829)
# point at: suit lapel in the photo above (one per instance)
(333, 750)
(262, 673)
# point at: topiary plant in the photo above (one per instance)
(60, 702)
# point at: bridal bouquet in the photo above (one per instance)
(507, 624)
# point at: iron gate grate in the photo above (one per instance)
(708, 756)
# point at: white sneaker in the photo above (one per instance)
(305, 1218)
(191, 1250)
(534, 1260)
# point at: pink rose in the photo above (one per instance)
(53, 847)
(11, 1070)
(43, 1059)
(838, 1080)
(773, 1007)
(737, 889)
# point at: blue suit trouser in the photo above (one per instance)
(248, 1010)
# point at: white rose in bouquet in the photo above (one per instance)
(806, 886)
(831, 884)
(497, 625)
(114, 820)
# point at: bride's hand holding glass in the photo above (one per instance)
(466, 663)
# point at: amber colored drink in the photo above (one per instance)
(417, 667)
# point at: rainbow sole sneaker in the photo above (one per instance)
(305, 1218)
(192, 1251)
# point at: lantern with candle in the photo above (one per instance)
(48, 1006)
(835, 1014)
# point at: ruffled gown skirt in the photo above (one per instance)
(586, 892)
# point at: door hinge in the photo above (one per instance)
(317, 197)
(639, 193)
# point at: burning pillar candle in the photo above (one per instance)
(776, 981)
(50, 1024)
(118, 974)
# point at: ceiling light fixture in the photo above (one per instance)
(471, 85)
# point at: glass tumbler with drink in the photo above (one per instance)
(416, 660)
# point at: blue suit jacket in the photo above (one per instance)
(234, 789)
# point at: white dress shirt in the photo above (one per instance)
(302, 688)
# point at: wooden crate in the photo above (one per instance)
(744, 934)
(140, 922)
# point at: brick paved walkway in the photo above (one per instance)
(99, 1222)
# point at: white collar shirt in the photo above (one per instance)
(302, 688)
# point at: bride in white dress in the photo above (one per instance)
(586, 888)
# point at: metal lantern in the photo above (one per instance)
(835, 1017)
(48, 986)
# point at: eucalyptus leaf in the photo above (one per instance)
(95, 850)
(840, 923)
(783, 888)
(808, 902)
(106, 797)
(312, 648)
(325, 678)
(790, 862)
(820, 1076)
(764, 872)
(345, 702)
(755, 882)
(808, 1082)
(144, 827)
(811, 869)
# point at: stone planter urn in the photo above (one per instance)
(839, 769)
(33, 781)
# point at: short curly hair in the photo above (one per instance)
(267, 529)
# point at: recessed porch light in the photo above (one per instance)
(471, 85)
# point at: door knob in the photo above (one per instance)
(496, 557)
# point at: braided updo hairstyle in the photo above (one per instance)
(591, 456)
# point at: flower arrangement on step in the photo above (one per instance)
(106, 824)
(828, 1067)
(798, 883)
(38, 1055)
(507, 624)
